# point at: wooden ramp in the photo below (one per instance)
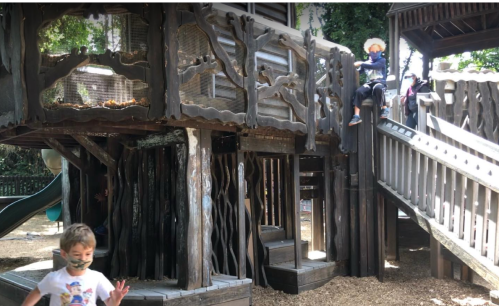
(450, 187)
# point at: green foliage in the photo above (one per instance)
(17, 161)
(351, 24)
(51, 94)
(483, 59)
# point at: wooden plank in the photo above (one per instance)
(370, 196)
(317, 225)
(241, 215)
(286, 145)
(436, 258)
(96, 151)
(206, 210)
(402, 168)
(296, 211)
(288, 198)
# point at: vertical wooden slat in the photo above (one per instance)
(469, 215)
(459, 205)
(383, 157)
(353, 167)
(296, 210)
(381, 252)
(276, 190)
(270, 191)
(481, 219)
(329, 211)
(415, 176)
(402, 168)
(408, 172)
(493, 246)
(423, 178)
(393, 166)
(396, 166)
(389, 164)
(288, 198)
(439, 193)
(432, 184)
(450, 181)
(241, 226)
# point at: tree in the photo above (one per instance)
(483, 59)
(351, 24)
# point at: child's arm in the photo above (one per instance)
(117, 294)
(32, 298)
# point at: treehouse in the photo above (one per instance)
(192, 133)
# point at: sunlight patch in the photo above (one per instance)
(41, 265)
(316, 254)
(471, 301)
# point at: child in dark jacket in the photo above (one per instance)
(375, 69)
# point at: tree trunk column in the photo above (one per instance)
(194, 210)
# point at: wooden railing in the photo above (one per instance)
(22, 185)
(451, 193)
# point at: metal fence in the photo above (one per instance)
(22, 185)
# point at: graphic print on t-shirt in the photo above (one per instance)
(76, 295)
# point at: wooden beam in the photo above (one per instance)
(96, 151)
(66, 153)
(467, 42)
(283, 145)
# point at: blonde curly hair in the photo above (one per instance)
(374, 41)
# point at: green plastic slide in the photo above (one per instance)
(20, 211)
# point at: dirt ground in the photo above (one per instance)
(407, 282)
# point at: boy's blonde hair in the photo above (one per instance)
(77, 233)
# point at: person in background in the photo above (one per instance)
(375, 70)
(409, 100)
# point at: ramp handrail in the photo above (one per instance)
(453, 191)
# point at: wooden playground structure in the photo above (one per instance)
(207, 124)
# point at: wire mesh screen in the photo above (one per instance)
(123, 32)
(210, 88)
(92, 86)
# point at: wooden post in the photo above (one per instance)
(207, 226)
(466, 274)
(288, 198)
(277, 191)
(317, 225)
(241, 226)
(189, 216)
(66, 194)
(436, 258)
(392, 249)
(296, 208)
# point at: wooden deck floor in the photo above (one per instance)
(313, 274)
(226, 290)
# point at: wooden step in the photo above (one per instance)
(272, 233)
(283, 250)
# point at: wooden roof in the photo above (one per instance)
(441, 29)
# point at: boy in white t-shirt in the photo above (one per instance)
(75, 284)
